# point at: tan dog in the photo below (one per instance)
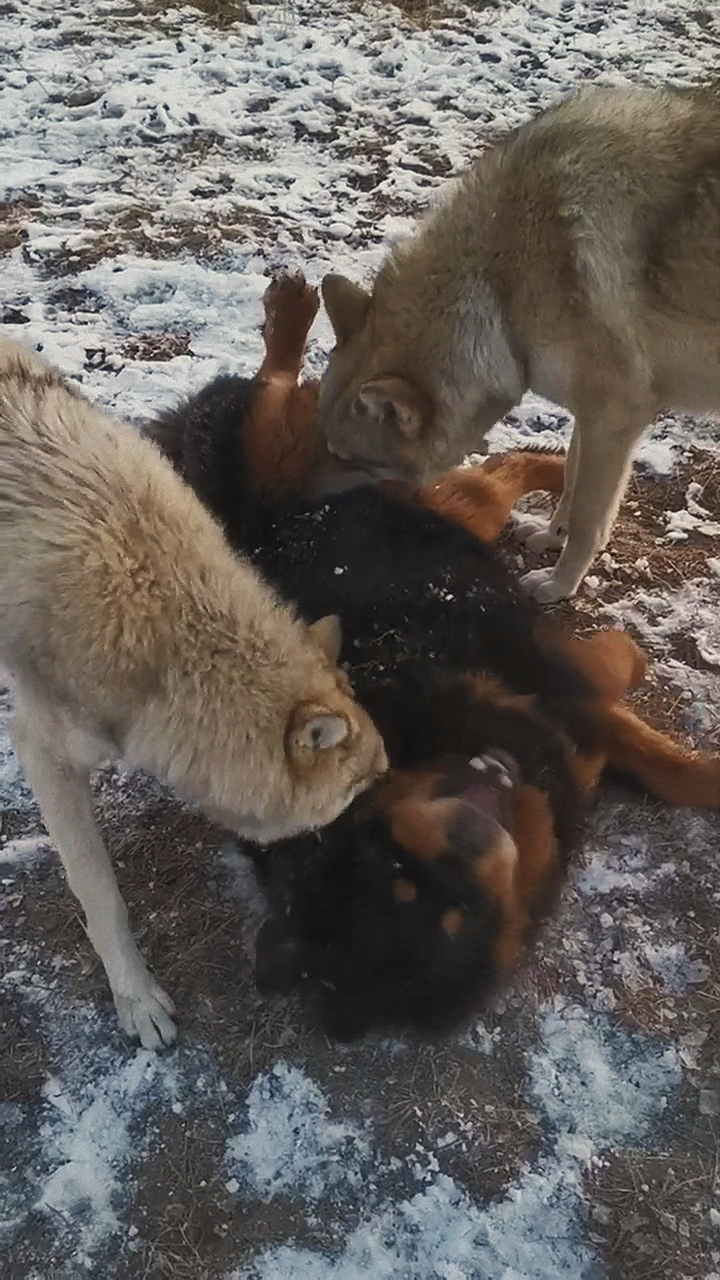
(132, 631)
(579, 259)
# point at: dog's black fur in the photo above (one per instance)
(422, 603)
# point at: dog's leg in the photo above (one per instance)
(481, 499)
(611, 660)
(587, 767)
(282, 443)
(668, 771)
(290, 308)
(554, 537)
(62, 789)
(284, 450)
(603, 464)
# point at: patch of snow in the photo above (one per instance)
(620, 868)
(478, 1037)
(290, 1143)
(594, 1080)
(102, 1103)
(24, 850)
(597, 1086)
(87, 1139)
(692, 518)
(661, 616)
(537, 423)
(440, 1234)
(674, 967)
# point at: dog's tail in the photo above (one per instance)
(481, 498)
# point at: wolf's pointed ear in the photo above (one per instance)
(315, 728)
(347, 305)
(397, 403)
(327, 632)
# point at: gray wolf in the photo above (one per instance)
(579, 258)
(133, 632)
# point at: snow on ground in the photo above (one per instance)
(154, 170)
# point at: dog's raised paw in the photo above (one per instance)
(290, 292)
(540, 585)
(145, 1015)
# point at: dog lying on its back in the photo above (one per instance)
(132, 631)
(417, 901)
(578, 258)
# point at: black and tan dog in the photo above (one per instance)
(413, 906)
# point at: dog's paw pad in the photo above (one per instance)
(145, 1015)
(290, 291)
(540, 585)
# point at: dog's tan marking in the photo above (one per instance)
(403, 891)
(480, 499)
(451, 921)
(421, 826)
(611, 660)
(486, 687)
(537, 863)
(587, 768)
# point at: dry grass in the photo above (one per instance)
(651, 1214)
(216, 13)
(424, 12)
(157, 346)
(13, 213)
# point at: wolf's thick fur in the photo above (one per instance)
(132, 631)
(579, 258)
(417, 901)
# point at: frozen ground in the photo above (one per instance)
(154, 169)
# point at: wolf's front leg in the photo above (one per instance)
(604, 457)
(554, 536)
(62, 789)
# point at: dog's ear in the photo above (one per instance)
(327, 632)
(313, 729)
(347, 305)
(396, 403)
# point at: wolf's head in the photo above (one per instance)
(285, 746)
(410, 387)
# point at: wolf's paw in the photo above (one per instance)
(547, 539)
(291, 297)
(541, 585)
(539, 535)
(145, 1014)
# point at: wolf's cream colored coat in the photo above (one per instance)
(579, 258)
(133, 632)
